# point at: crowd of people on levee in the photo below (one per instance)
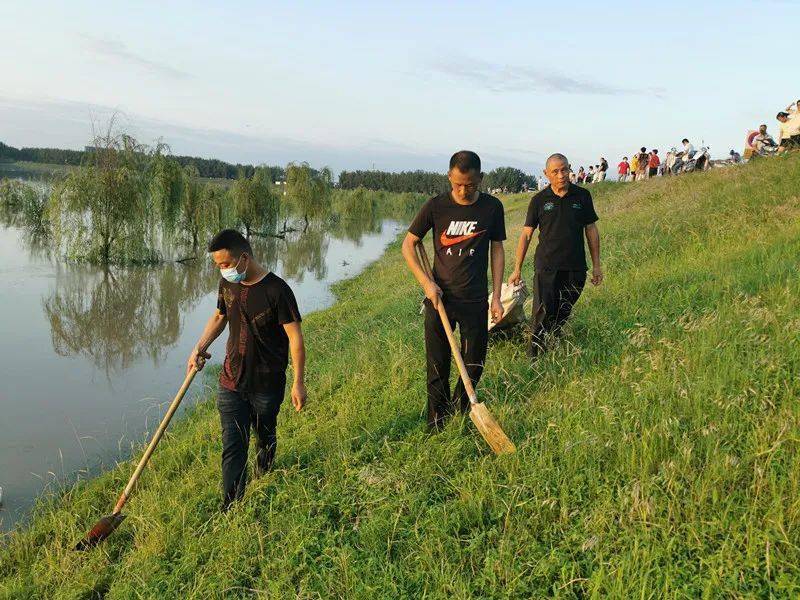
(645, 164)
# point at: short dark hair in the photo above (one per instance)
(624, 158)
(465, 160)
(655, 151)
(643, 149)
(684, 141)
(230, 240)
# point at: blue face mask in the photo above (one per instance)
(232, 274)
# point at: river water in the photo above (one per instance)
(91, 356)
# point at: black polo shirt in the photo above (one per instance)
(561, 222)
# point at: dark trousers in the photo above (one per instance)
(554, 295)
(472, 323)
(238, 411)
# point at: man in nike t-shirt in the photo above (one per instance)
(468, 226)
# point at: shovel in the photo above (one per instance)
(106, 526)
(484, 421)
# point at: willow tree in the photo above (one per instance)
(217, 213)
(255, 205)
(308, 190)
(102, 212)
(191, 205)
(167, 183)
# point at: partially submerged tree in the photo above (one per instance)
(308, 190)
(103, 212)
(167, 187)
(255, 205)
(192, 205)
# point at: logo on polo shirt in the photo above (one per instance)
(576, 205)
(459, 231)
(549, 206)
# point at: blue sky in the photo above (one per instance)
(398, 85)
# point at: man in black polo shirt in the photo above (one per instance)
(264, 324)
(564, 213)
(468, 226)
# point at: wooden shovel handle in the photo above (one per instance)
(154, 442)
(448, 329)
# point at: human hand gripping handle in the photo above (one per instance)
(432, 291)
(197, 360)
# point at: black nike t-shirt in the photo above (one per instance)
(258, 347)
(461, 236)
(561, 222)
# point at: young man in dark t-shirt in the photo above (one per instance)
(564, 214)
(264, 324)
(468, 227)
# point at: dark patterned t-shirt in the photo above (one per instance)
(258, 347)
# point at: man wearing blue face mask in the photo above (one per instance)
(264, 325)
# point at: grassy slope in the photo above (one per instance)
(658, 443)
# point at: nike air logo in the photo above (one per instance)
(459, 231)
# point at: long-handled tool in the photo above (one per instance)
(106, 526)
(498, 441)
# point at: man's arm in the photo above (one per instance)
(498, 269)
(297, 348)
(214, 326)
(522, 249)
(432, 291)
(593, 239)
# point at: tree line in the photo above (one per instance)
(505, 179)
(205, 167)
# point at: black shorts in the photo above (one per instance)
(652, 172)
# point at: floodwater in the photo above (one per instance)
(91, 356)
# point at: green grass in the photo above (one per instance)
(658, 443)
(29, 170)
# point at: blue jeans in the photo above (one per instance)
(238, 411)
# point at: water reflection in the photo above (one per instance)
(305, 253)
(354, 229)
(115, 316)
(35, 241)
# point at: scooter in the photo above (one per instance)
(702, 160)
(697, 160)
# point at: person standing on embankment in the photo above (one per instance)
(264, 324)
(564, 214)
(468, 227)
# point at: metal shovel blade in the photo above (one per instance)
(101, 530)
